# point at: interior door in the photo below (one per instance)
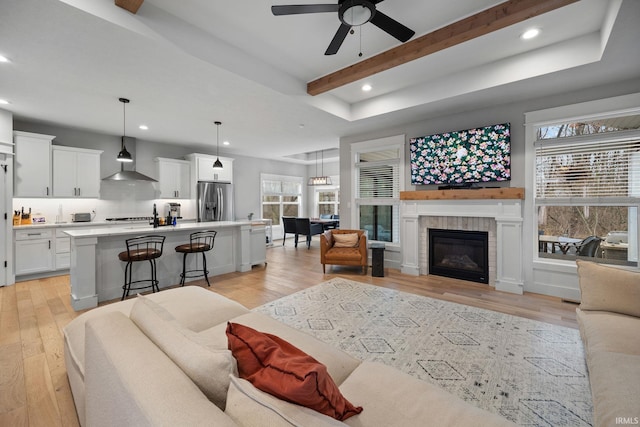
(4, 190)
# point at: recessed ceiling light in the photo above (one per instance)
(529, 34)
(143, 127)
(225, 143)
(4, 59)
(4, 102)
(366, 87)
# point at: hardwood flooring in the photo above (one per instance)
(34, 390)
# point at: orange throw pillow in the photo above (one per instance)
(276, 367)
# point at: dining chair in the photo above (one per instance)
(289, 226)
(306, 228)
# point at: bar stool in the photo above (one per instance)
(199, 242)
(142, 248)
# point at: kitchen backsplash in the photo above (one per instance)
(124, 207)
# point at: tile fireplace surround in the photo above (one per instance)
(497, 211)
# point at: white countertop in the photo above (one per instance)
(148, 229)
(63, 224)
(87, 224)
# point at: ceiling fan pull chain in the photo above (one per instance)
(360, 54)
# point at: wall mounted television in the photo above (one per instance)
(463, 157)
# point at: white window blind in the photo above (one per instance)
(292, 187)
(378, 174)
(588, 169)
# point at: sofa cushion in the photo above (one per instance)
(343, 254)
(605, 331)
(394, 398)
(346, 240)
(608, 289)
(248, 406)
(615, 387)
(205, 363)
(130, 382)
(279, 368)
(339, 364)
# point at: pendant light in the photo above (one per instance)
(217, 164)
(124, 155)
(322, 179)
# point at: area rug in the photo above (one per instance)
(529, 372)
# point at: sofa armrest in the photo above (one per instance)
(607, 288)
(130, 381)
(362, 246)
(326, 243)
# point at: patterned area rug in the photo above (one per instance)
(529, 372)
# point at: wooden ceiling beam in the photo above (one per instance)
(489, 20)
(130, 5)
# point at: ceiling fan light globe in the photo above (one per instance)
(356, 13)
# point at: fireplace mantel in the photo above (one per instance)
(465, 194)
(507, 213)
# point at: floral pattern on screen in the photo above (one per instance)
(473, 155)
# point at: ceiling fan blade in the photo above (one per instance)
(335, 44)
(295, 9)
(392, 26)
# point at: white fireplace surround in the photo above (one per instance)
(506, 273)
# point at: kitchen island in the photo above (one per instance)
(98, 275)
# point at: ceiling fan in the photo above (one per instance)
(352, 13)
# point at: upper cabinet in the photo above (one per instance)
(32, 164)
(204, 170)
(174, 178)
(76, 172)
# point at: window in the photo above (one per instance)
(377, 191)
(281, 196)
(327, 201)
(587, 189)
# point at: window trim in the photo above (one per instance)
(392, 142)
(603, 108)
(272, 177)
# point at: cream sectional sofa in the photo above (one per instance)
(163, 360)
(609, 321)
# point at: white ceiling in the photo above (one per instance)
(186, 64)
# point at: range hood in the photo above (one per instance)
(129, 174)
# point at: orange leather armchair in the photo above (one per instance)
(354, 255)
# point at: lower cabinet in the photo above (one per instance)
(34, 251)
(63, 250)
(258, 245)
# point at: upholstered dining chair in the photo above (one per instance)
(289, 226)
(306, 228)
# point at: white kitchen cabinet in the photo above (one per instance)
(76, 172)
(33, 251)
(63, 250)
(258, 244)
(32, 164)
(174, 177)
(204, 171)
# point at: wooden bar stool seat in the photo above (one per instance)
(142, 248)
(199, 242)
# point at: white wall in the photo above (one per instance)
(489, 114)
(128, 199)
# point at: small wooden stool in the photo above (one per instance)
(199, 242)
(142, 248)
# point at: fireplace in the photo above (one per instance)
(459, 254)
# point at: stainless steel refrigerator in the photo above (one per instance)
(215, 201)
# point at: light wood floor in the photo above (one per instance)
(34, 390)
